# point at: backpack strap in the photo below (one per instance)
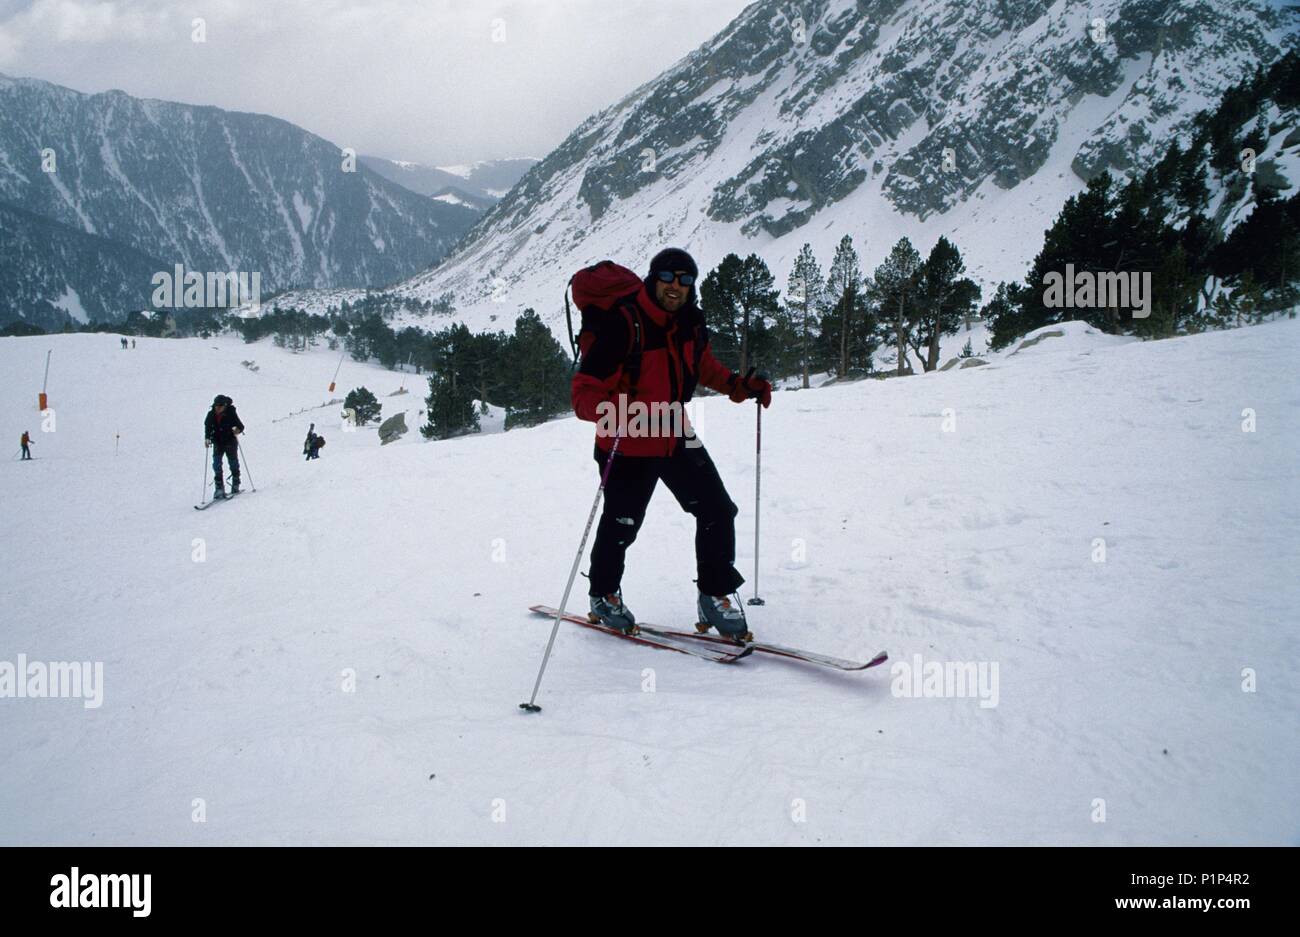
(568, 318)
(632, 362)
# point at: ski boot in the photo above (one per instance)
(218, 493)
(234, 488)
(727, 616)
(609, 611)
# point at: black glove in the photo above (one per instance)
(750, 387)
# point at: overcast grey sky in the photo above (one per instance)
(436, 81)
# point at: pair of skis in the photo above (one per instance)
(207, 504)
(712, 647)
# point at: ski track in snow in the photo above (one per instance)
(414, 564)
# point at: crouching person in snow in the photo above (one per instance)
(645, 342)
(221, 429)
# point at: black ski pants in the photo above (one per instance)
(693, 479)
(230, 450)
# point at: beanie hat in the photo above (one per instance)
(673, 258)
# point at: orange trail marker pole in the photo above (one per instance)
(337, 370)
(42, 399)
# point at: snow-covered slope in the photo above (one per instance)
(411, 565)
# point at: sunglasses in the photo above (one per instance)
(667, 276)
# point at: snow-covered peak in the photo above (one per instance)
(972, 119)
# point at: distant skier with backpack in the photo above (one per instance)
(306, 443)
(313, 451)
(646, 341)
(221, 429)
(26, 443)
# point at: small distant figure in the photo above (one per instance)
(316, 443)
(133, 344)
(221, 429)
(26, 443)
(306, 443)
(124, 344)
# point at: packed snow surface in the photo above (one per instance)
(1105, 529)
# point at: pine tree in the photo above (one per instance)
(894, 286)
(759, 301)
(363, 404)
(1137, 238)
(483, 368)
(1175, 286)
(450, 403)
(540, 372)
(1224, 312)
(1002, 314)
(849, 326)
(944, 298)
(738, 298)
(805, 300)
(717, 300)
(1267, 245)
(1251, 303)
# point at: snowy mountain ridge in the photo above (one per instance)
(485, 180)
(214, 190)
(974, 120)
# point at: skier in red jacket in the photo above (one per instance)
(654, 351)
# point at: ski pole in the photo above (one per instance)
(758, 480)
(243, 458)
(531, 706)
(203, 492)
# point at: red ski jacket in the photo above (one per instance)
(674, 357)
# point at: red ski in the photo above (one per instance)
(651, 634)
(794, 653)
(653, 637)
